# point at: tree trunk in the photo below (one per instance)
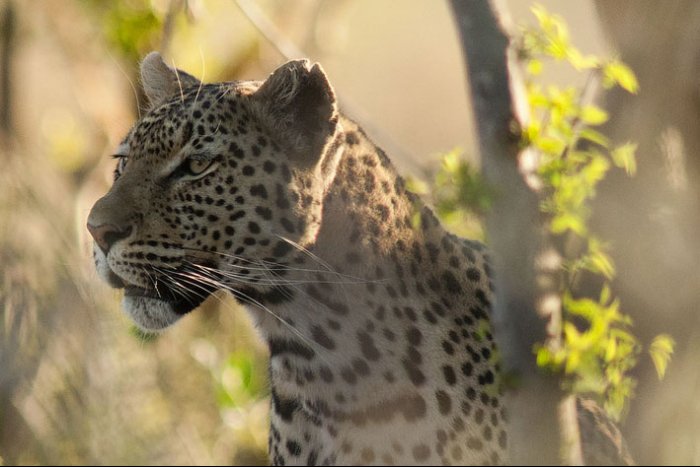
(497, 96)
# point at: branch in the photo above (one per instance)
(498, 96)
(269, 30)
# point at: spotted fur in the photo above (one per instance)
(378, 329)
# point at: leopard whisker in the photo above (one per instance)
(216, 274)
(178, 287)
(308, 253)
(296, 287)
(318, 260)
(246, 298)
(276, 280)
(188, 284)
(204, 274)
(261, 265)
(154, 280)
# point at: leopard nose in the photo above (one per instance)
(106, 235)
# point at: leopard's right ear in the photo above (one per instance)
(298, 104)
(161, 82)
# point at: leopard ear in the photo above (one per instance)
(297, 103)
(161, 82)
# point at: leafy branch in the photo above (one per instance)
(598, 350)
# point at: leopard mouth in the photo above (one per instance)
(180, 301)
(169, 294)
(155, 309)
(161, 303)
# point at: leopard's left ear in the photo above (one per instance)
(297, 103)
(161, 82)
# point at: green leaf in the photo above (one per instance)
(564, 222)
(584, 307)
(416, 220)
(590, 385)
(550, 145)
(601, 263)
(544, 357)
(616, 72)
(610, 350)
(593, 115)
(582, 62)
(417, 186)
(534, 67)
(540, 13)
(452, 160)
(660, 351)
(595, 170)
(624, 157)
(594, 136)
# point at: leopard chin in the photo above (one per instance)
(150, 314)
(158, 308)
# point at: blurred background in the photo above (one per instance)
(79, 386)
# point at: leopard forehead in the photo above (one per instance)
(198, 120)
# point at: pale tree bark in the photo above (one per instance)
(653, 219)
(514, 236)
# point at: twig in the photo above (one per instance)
(267, 28)
(587, 96)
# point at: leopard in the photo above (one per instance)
(377, 319)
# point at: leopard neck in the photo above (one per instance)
(369, 218)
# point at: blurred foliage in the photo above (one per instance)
(130, 27)
(598, 349)
(142, 336)
(458, 193)
(78, 384)
(66, 140)
(240, 383)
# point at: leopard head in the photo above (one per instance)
(216, 186)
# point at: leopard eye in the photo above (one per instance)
(197, 167)
(194, 168)
(122, 159)
(121, 165)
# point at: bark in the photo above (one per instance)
(497, 96)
